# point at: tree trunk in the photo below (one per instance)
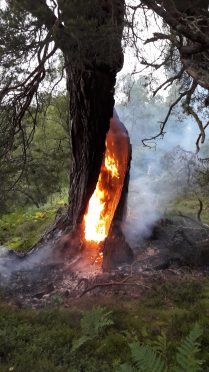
(90, 83)
(91, 107)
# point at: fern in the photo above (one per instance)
(146, 359)
(186, 358)
(93, 323)
(161, 345)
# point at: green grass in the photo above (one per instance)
(189, 205)
(41, 340)
(21, 229)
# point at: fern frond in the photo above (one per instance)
(95, 321)
(161, 345)
(186, 357)
(145, 359)
(79, 342)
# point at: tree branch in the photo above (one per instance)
(163, 124)
(170, 81)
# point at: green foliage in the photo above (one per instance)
(160, 345)
(43, 340)
(146, 359)
(21, 229)
(93, 324)
(95, 321)
(188, 204)
(44, 168)
(186, 358)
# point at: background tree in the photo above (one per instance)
(181, 37)
(48, 159)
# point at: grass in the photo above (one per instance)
(41, 340)
(21, 229)
(189, 205)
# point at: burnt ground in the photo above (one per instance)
(178, 249)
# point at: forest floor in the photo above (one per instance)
(42, 339)
(155, 307)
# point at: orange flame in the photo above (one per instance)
(106, 196)
(97, 222)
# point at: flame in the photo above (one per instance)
(111, 166)
(104, 201)
(97, 221)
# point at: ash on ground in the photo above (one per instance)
(176, 248)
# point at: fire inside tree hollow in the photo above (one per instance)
(104, 201)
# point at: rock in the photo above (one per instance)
(189, 247)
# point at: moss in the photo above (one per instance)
(22, 229)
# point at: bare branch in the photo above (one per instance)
(163, 124)
(170, 81)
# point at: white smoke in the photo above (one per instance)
(151, 186)
(10, 262)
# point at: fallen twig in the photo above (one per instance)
(122, 282)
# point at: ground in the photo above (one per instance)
(41, 308)
(41, 340)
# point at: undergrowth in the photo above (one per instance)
(189, 205)
(159, 325)
(21, 229)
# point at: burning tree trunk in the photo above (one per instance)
(99, 231)
(90, 84)
(102, 221)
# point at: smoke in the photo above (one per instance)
(10, 262)
(152, 184)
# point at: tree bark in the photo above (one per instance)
(91, 107)
(90, 83)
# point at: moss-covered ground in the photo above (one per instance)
(21, 229)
